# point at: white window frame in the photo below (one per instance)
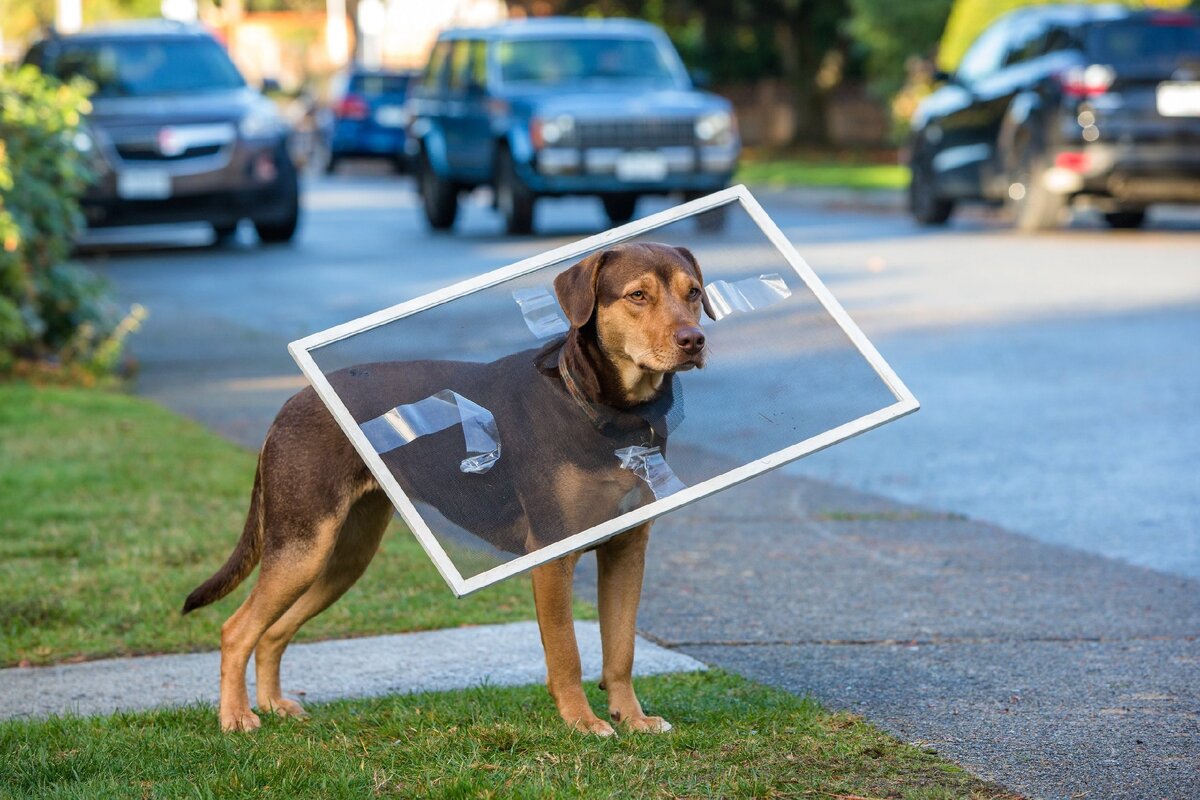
(301, 349)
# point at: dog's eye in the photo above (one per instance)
(638, 295)
(694, 293)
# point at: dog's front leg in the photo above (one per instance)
(552, 594)
(621, 562)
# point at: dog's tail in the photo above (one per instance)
(241, 561)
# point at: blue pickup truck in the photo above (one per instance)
(556, 107)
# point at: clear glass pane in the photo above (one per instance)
(435, 390)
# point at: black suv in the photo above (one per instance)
(1062, 105)
(175, 134)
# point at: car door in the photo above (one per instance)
(427, 102)
(962, 136)
(466, 117)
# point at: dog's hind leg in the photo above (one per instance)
(552, 595)
(356, 545)
(620, 563)
(285, 575)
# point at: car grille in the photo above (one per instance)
(151, 152)
(636, 133)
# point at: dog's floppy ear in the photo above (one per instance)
(576, 288)
(700, 277)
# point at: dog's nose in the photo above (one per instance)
(690, 340)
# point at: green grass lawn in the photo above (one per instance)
(112, 509)
(783, 172)
(733, 738)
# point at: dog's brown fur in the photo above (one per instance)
(317, 515)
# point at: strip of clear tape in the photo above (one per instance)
(748, 294)
(544, 318)
(649, 465)
(541, 312)
(441, 410)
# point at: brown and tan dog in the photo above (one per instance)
(317, 514)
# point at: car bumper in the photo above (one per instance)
(363, 141)
(250, 180)
(560, 171)
(1129, 173)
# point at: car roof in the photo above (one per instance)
(541, 27)
(137, 29)
(1076, 14)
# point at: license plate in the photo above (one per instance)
(1179, 99)
(390, 116)
(640, 167)
(144, 184)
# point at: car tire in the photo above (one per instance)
(1125, 219)
(620, 208)
(924, 203)
(224, 234)
(439, 197)
(1035, 208)
(714, 220)
(514, 200)
(283, 230)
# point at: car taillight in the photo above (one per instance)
(1180, 19)
(1089, 81)
(1073, 161)
(351, 107)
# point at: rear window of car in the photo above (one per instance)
(379, 84)
(551, 61)
(1144, 44)
(147, 67)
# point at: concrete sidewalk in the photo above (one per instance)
(458, 658)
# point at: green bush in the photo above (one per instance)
(52, 313)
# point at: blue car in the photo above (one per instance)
(556, 107)
(370, 118)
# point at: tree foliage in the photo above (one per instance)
(50, 310)
(891, 33)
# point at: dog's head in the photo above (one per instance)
(641, 303)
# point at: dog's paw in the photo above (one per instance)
(647, 724)
(593, 727)
(240, 720)
(284, 707)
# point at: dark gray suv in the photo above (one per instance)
(175, 134)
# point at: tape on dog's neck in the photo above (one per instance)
(662, 414)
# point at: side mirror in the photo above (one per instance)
(701, 78)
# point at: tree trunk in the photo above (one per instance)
(800, 55)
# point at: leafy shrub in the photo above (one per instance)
(53, 314)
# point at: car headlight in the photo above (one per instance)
(715, 128)
(261, 123)
(553, 131)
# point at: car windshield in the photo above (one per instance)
(379, 84)
(552, 61)
(149, 67)
(1144, 44)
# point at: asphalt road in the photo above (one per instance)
(1057, 373)
(1007, 576)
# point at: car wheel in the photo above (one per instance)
(712, 221)
(438, 196)
(1034, 207)
(283, 230)
(619, 207)
(1125, 219)
(924, 203)
(513, 198)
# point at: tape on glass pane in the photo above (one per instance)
(445, 409)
